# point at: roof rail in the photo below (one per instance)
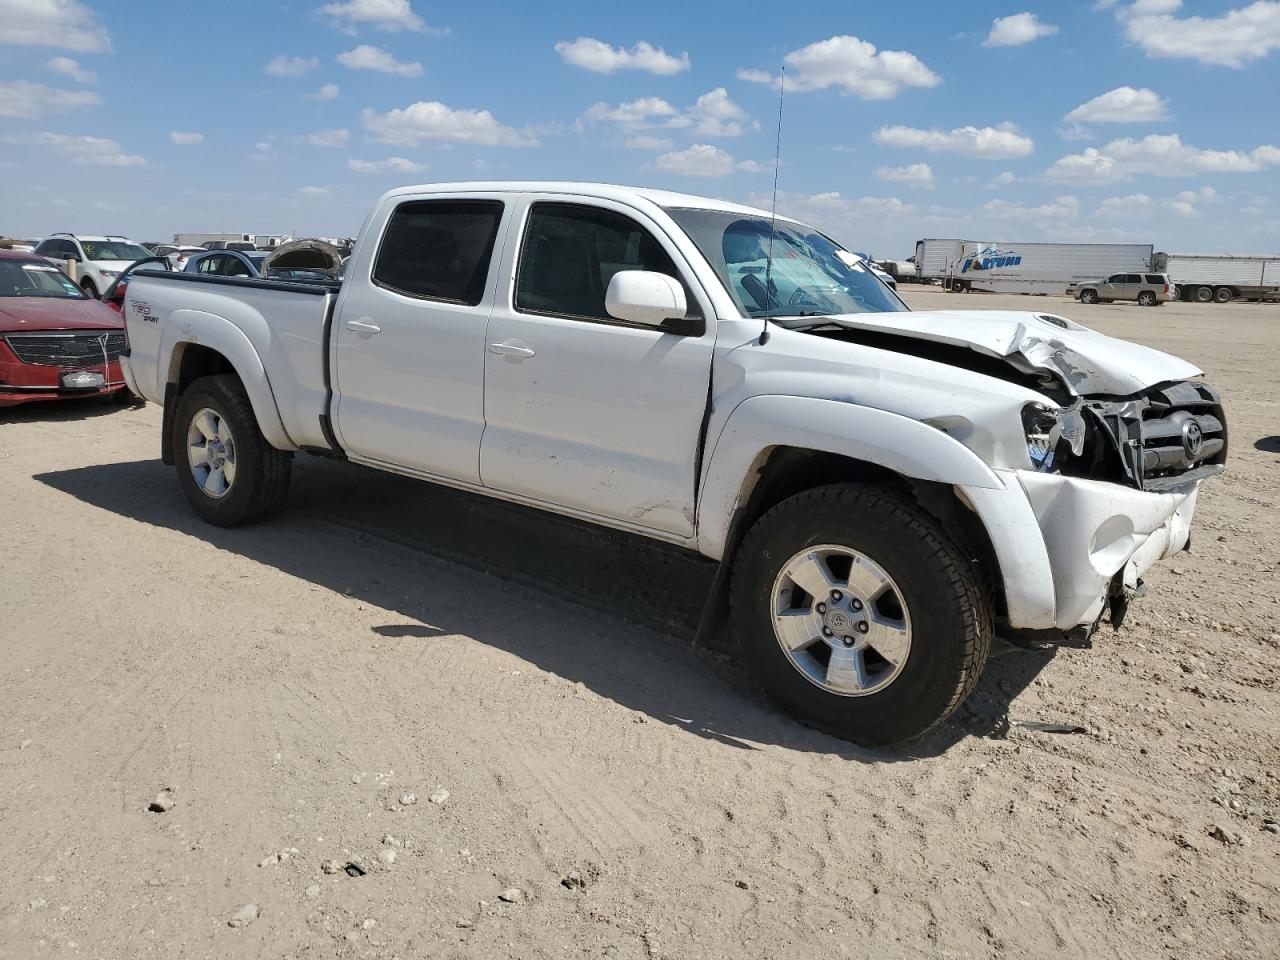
(62, 234)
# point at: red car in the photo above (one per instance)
(55, 342)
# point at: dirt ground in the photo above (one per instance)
(294, 683)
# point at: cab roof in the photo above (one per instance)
(606, 191)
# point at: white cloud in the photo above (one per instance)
(1059, 208)
(432, 120)
(699, 160)
(646, 141)
(1075, 132)
(186, 139)
(1231, 40)
(93, 151)
(328, 92)
(326, 138)
(852, 65)
(915, 174)
(714, 114)
(70, 68)
(285, 66)
(988, 143)
(1132, 206)
(391, 164)
(390, 15)
(599, 57)
(366, 57)
(642, 112)
(1187, 203)
(22, 98)
(314, 191)
(1122, 105)
(1005, 177)
(67, 24)
(1015, 30)
(1159, 156)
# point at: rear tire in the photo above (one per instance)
(1146, 299)
(89, 288)
(228, 471)
(857, 535)
(1223, 295)
(1088, 296)
(1203, 294)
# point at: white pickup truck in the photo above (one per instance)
(883, 488)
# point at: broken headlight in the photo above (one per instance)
(1053, 433)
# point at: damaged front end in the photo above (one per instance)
(1158, 440)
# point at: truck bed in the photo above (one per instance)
(285, 322)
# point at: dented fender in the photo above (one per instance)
(761, 423)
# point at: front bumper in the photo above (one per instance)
(1065, 545)
(27, 382)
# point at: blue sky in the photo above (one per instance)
(1131, 120)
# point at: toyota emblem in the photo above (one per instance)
(1192, 439)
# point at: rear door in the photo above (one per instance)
(582, 410)
(409, 335)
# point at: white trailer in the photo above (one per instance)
(1011, 267)
(200, 239)
(1205, 278)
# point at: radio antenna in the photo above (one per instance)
(773, 214)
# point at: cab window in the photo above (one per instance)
(439, 249)
(571, 252)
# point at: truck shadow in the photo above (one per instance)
(613, 612)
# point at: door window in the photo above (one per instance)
(439, 249)
(571, 252)
(1132, 278)
(235, 267)
(211, 265)
(1155, 278)
(1116, 278)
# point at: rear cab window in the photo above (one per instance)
(439, 249)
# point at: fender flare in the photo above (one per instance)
(760, 423)
(196, 327)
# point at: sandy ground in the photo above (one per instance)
(293, 682)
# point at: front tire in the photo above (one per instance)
(1088, 296)
(228, 471)
(918, 624)
(89, 288)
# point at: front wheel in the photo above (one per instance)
(859, 614)
(229, 472)
(1088, 296)
(90, 290)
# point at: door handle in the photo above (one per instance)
(363, 327)
(515, 350)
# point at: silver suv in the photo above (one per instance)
(1147, 289)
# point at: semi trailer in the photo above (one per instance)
(1011, 267)
(1206, 278)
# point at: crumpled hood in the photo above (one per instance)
(1088, 362)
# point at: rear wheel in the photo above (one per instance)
(89, 288)
(1146, 299)
(1088, 296)
(1203, 294)
(229, 472)
(858, 614)
(1223, 295)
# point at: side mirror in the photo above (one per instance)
(645, 297)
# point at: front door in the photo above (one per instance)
(582, 410)
(409, 344)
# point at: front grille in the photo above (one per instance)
(1183, 430)
(74, 349)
